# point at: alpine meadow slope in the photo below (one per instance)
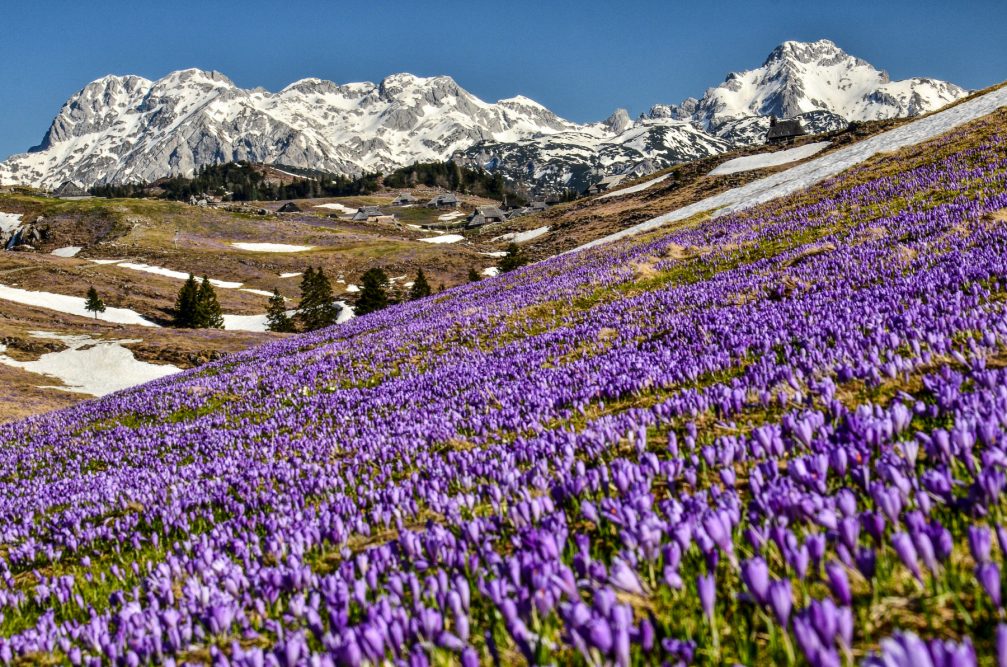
(775, 435)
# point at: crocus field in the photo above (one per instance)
(778, 436)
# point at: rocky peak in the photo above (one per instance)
(618, 122)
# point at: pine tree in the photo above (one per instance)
(373, 295)
(93, 302)
(317, 309)
(208, 314)
(513, 259)
(474, 277)
(276, 314)
(420, 288)
(185, 304)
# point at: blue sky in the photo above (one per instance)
(581, 59)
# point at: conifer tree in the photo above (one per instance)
(276, 314)
(373, 294)
(420, 288)
(208, 314)
(474, 277)
(513, 259)
(185, 304)
(317, 309)
(93, 302)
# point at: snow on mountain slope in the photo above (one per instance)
(122, 129)
(817, 82)
(799, 77)
(129, 129)
(814, 171)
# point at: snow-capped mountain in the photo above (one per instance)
(817, 82)
(799, 77)
(129, 129)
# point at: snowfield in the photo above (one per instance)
(91, 366)
(446, 238)
(272, 247)
(521, 237)
(71, 305)
(763, 160)
(68, 251)
(814, 171)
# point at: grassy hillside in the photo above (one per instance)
(768, 438)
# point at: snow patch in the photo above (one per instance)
(446, 238)
(68, 251)
(763, 160)
(168, 273)
(71, 305)
(9, 222)
(337, 207)
(521, 237)
(260, 292)
(448, 217)
(636, 188)
(491, 271)
(271, 247)
(291, 275)
(91, 366)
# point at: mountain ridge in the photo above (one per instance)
(131, 129)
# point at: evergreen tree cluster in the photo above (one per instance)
(454, 177)
(243, 181)
(197, 306)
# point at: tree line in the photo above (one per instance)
(245, 181)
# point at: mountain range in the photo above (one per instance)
(122, 129)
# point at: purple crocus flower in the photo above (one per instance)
(988, 575)
(980, 543)
(903, 545)
(706, 586)
(838, 582)
(755, 574)
(781, 600)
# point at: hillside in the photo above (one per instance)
(137, 253)
(772, 435)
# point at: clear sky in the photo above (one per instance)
(581, 59)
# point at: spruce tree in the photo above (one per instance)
(373, 295)
(276, 314)
(93, 302)
(420, 288)
(317, 309)
(208, 314)
(474, 277)
(185, 304)
(513, 259)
